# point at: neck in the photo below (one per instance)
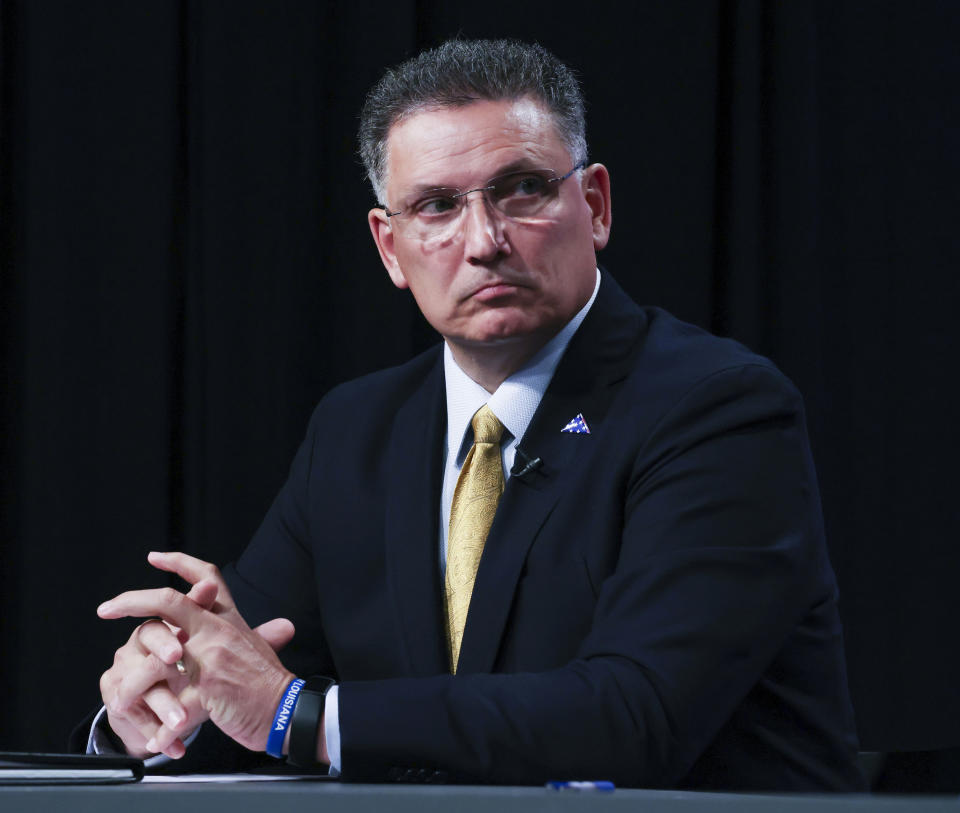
(491, 365)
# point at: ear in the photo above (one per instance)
(383, 236)
(596, 191)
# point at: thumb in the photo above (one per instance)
(278, 632)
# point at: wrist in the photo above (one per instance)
(280, 715)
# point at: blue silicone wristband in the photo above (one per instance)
(281, 720)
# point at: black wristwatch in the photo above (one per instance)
(305, 723)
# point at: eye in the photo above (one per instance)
(522, 185)
(435, 206)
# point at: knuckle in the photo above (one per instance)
(106, 684)
(170, 597)
(122, 656)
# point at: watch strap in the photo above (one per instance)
(305, 723)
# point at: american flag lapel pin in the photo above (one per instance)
(578, 426)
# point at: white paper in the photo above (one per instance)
(230, 777)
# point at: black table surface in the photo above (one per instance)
(314, 796)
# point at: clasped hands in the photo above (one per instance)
(233, 676)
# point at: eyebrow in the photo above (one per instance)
(516, 165)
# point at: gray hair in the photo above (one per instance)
(460, 72)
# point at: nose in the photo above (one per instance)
(483, 235)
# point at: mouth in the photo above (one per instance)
(495, 289)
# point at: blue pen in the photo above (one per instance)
(601, 785)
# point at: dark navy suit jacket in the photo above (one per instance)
(654, 604)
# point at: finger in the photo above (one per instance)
(277, 632)
(168, 710)
(157, 638)
(191, 569)
(165, 741)
(166, 737)
(133, 736)
(137, 681)
(140, 719)
(165, 602)
(204, 593)
(174, 748)
(146, 716)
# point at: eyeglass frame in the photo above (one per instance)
(484, 189)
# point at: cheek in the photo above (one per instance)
(429, 283)
(417, 262)
(573, 250)
(406, 257)
(553, 260)
(555, 239)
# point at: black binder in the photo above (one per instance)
(68, 769)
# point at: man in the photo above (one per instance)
(649, 600)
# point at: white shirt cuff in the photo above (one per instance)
(331, 728)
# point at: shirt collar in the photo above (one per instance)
(517, 398)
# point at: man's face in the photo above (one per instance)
(496, 280)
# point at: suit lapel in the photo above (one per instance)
(411, 524)
(597, 359)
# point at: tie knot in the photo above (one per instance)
(486, 426)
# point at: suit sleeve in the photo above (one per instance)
(275, 576)
(721, 556)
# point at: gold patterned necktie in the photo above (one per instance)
(474, 503)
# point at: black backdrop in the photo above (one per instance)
(187, 269)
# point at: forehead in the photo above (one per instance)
(454, 145)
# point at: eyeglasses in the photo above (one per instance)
(435, 215)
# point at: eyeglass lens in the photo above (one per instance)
(517, 195)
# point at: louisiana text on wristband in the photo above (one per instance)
(306, 722)
(281, 720)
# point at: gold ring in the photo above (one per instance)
(180, 667)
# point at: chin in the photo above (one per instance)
(508, 331)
